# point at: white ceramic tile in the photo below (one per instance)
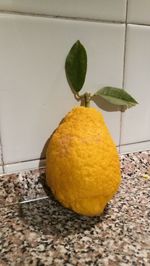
(96, 9)
(136, 121)
(34, 94)
(135, 147)
(138, 11)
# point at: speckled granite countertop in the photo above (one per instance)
(37, 230)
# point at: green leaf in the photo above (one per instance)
(116, 96)
(76, 66)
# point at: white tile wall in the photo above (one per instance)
(95, 9)
(136, 121)
(139, 11)
(34, 94)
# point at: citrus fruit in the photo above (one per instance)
(82, 162)
(82, 166)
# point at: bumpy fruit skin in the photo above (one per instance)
(82, 164)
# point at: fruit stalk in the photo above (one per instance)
(87, 98)
(84, 98)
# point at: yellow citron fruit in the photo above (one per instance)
(82, 164)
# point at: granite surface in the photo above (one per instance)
(36, 230)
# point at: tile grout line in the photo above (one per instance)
(26, 161)
(86, 19)
(123, 74)
(132, 143)
(138, 24)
